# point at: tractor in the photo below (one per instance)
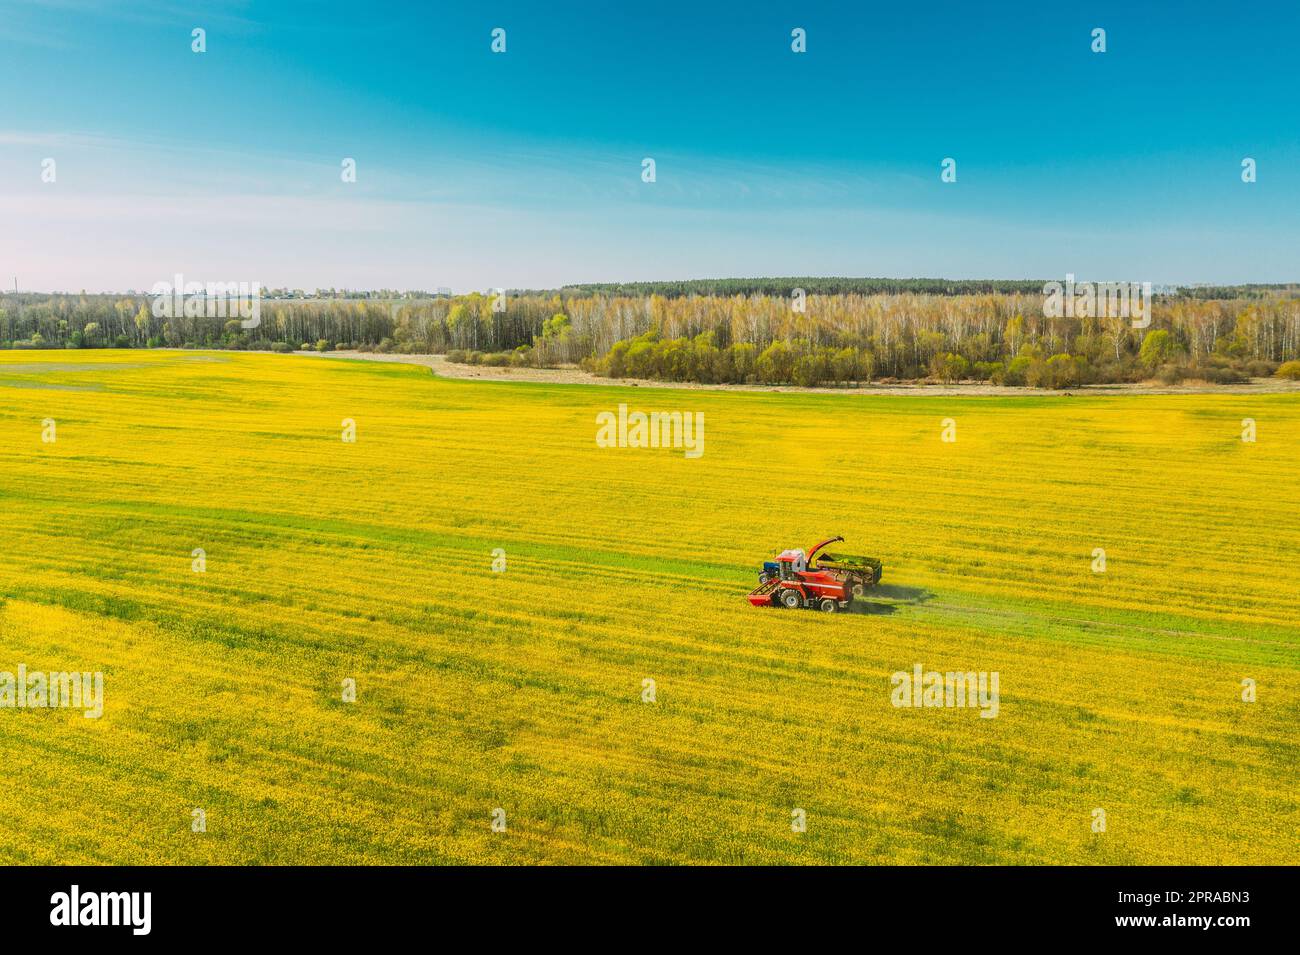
(829, 583)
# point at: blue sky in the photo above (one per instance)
(523, 169)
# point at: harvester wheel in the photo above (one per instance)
(791, 598)
(829, 605)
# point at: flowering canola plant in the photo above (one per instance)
(352, 612)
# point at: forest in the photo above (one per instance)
(731, 331)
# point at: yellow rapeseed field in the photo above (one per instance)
(525, 690)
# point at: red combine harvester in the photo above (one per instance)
(828, 583)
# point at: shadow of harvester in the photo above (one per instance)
(887, 598)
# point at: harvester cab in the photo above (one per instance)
(791, 562)
(796, 579)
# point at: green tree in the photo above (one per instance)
(458, 321)
(1061, 371)
(949, 367)
(142, 320)
(1290, 369)
(1158, 347)
(776, 363)
(744, 357)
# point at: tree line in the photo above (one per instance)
(810, 286)
(839, 338)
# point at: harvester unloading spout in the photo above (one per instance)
(812, 554)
